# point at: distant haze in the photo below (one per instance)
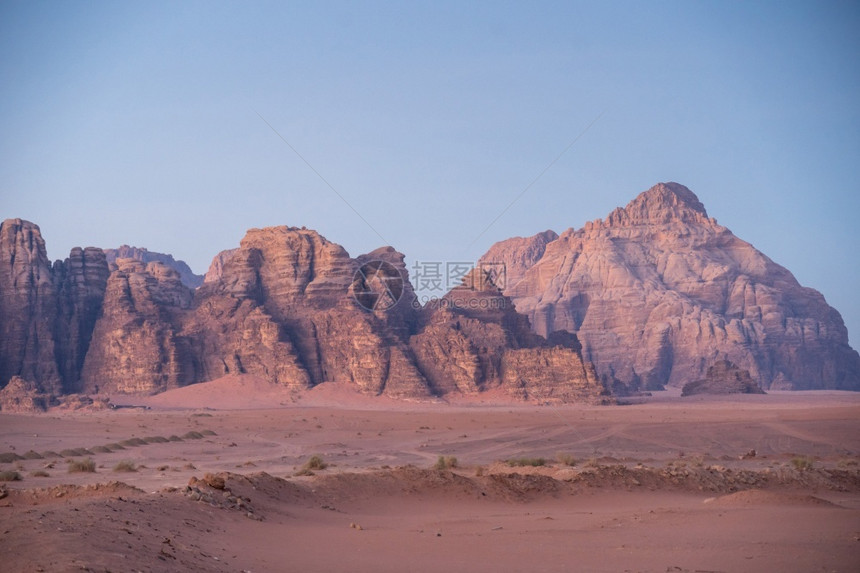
(140, 123)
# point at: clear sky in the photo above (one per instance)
(140, 123)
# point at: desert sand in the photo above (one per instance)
(732, 483)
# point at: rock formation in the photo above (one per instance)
(723, 378)
(22, 397)
(213, 275)
(473, 340)
(296, 284)
(519, 254)
(187, 276)
(81, 282)
(28, 307)
(658, 292)
(135, 345)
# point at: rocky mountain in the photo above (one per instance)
(283, 306)
(658, 292)
(47, 312)
(473, 340)
(187, 276)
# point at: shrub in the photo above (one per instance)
(31, 455)
(192, 435)
(125, 466)
(155, 439)
(521, 462)
(39, 474)
(566, 459)
(86, 465)
(315, 462)
(10, 476)
(802, 463)
(445, 462)
(9, 457)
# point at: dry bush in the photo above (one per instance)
(40, 474)
(125, 466)
(86, 465)
(565, 459)
(445, 463)
(522, 462)
(315, 462)
(802, 463)
(10, 475)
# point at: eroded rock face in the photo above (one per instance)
(22, 396)
(473, 340)
(658, 292)
(723, 378)
(81, 281)
(213, 275)
(187, 276)
(298, 283)
(136, 346)
(28, 304)
(519, 254)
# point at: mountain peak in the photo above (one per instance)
(662, 203)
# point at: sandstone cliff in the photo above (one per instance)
(135, 345)
(519, 254)
(473, 340)
(187, 276)
(659, 291)
(28, 307)
(22, 396)
(298, 284)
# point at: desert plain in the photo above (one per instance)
(221, 476)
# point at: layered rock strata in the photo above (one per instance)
(658, 292)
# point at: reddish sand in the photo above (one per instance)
(668, 484)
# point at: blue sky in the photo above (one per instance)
(140, 123)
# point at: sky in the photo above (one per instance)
(436, 127)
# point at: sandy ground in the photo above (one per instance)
(665, 484)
